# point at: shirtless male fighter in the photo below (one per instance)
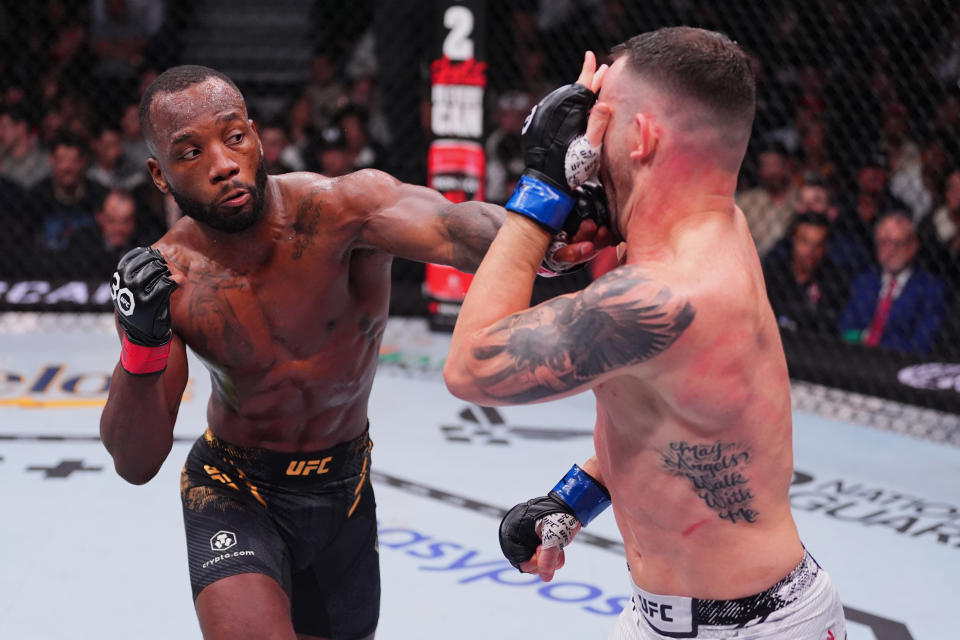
(280, 284)
(679, 346)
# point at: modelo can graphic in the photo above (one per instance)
(456, 168)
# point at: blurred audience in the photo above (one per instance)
(362, 151)
(325, 91)
(66, 201)
(805, 288)
(95, 250)
(852, 248)
(769, 206)
(120, 31)
(897, 304)
(273, 138)
(18, 231)
(111, 168)
(503, 149)
(22, 160)
(939, 235)
(327, 153)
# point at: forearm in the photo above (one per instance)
(136, 425)
(471, 227)
(502, 286)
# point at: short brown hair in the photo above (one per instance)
(704, 66)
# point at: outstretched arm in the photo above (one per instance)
(420, 224)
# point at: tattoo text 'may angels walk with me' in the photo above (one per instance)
(717, 473)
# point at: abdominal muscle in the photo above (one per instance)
(293, 406)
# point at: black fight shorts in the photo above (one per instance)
(307, 520)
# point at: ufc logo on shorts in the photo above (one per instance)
(653, 610)
(669, 615)
(306, 467)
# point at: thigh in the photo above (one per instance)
(228, 533)
(246, 606)
(338, 595)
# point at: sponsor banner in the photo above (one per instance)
(55, 295)
(917, 519)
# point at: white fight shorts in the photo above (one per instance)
(802, 606)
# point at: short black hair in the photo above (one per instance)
(69, 139)
(811, 218)
(895, 212)
(173, 80)
(704, 66)
(17, 112)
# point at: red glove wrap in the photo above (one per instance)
(140, 360)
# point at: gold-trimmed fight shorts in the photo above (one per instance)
(306, 519)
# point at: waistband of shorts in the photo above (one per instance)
(302, 468)
(680, 617)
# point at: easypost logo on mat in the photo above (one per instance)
(223, 540)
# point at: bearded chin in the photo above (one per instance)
(211, 217)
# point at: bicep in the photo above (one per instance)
(403, 219)
(574, 342)
(420, 224)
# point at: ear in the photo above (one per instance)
(644, 135)
(157, 174)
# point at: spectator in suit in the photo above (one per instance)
(96, 250)
(769, 206)
(805, 288)
(896, 304)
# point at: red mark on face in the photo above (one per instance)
(694, 527)
(830, 635)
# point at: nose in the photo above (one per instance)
(223, 166)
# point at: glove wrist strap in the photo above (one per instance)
(139, 360)
(587, 497)
(540, 201)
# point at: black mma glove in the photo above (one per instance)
(556, 161)
(577, 499)
(140, 290)
(590, 204)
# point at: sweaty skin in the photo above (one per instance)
(288, 314)
(283, 286)
(679, 346)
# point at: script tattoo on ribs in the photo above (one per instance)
(622, 319)
(717, 472)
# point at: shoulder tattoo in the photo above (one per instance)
(621, 319)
